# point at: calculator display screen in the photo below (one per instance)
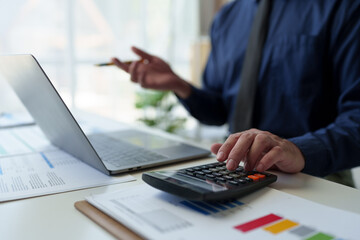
(180, 179)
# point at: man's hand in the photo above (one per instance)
(259, 150)
(152, 72)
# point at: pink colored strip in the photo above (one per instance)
(259, 222)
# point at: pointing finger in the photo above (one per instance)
(141, 53)
(120, 64)
(239, 151)
(215, 147)
(261, 145)
(225, 149)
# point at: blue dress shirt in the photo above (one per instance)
(309, 83)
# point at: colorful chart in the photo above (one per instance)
(270, 223)
(275, 224)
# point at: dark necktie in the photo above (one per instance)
(244, 106)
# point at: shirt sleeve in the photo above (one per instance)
(337, 146)
(205, 106)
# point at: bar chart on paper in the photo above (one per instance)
(211, 207)
(42, 173)
(270, 223)
(274, 224)
(30, 166)
(266, 214)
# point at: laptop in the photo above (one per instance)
(110, 152)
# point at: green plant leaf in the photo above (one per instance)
(158, 102)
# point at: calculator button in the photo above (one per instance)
(189, 170)
(209, 176)
(253, 177)
(224, 172)
(248, 179)
(214, 165)
(233, 183)
(220, 179)
(260, 175)
(239, 169)
(242, 181)
(200, 176)
(234, 175)
(242, 174)
(190, 173)
(197, 168)
(228, 178)
(217, 174)
(214, 169)
(206, 171)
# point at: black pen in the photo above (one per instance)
(111, 63)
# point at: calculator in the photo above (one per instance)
(209, 182)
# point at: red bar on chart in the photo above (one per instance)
(259, 222)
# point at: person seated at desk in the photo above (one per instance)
(306, 114)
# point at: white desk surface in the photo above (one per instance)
(55, 217)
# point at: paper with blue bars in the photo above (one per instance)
(265, 214)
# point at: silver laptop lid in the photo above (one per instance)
(43, 102)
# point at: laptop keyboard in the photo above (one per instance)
(120, 153)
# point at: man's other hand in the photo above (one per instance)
(259, 150)
(153, 72)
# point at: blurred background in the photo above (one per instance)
(69, 36)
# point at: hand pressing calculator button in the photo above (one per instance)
(209, 182)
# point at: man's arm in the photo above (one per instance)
(328, 149)
(337, 146)
(206, 106)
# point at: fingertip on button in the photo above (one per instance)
(220, 156)
(260, 167)
(231, 165)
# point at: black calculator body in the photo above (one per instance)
(209, 182)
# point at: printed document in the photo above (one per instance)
(265, 214)
(36, 174)
(30, 166)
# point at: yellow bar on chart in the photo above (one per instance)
(281, 226)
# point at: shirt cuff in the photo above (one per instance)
(192, 97)
(315, 154)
